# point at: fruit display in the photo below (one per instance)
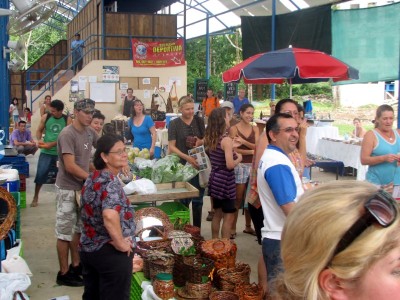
(136, 152)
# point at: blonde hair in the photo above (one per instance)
(185, 100)
(314, 228)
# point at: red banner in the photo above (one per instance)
(157, 54)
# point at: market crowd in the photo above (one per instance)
(337, 241)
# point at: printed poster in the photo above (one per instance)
(110, 74)
(158, 54)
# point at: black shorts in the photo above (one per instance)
(227, 205)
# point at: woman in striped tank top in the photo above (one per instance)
(221, 184)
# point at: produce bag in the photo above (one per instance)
(169, 169)
(141, 186)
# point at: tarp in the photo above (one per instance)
(369, 40)
(307, 28)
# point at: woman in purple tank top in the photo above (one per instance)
(223, 159)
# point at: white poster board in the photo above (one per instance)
(102, 92)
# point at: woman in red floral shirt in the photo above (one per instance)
(106, 244)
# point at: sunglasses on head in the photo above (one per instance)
(380, 209)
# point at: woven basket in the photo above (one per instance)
(193, 230)
(249, 291)
(228, 279)
(179, 270)
(8, 221)
(162, 244)
(155, 262)
(199, 290)
(221, 251)
(223, 295)
(197, 267)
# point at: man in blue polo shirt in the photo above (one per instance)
(279, 186)
(239, 100)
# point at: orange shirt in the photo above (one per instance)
(209, 104)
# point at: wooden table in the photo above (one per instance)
(167, 191)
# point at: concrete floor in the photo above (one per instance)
(40, 243)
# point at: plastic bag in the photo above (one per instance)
(15, 264)
(142, 187)
(142, 163)
(11, 283)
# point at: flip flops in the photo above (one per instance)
(249, 231)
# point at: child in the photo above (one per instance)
(13, 110)
(222, 177)
(98, 122)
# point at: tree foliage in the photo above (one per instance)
(39, 41)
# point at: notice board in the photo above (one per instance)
(103, 92)
(200, 89)
(230, 90)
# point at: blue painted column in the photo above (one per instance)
(4, 75)
(273, 38)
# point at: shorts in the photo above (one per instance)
(227, 205)
(68, 217)
(46, 163)
(242, 173)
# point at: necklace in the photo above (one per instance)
(389, 137)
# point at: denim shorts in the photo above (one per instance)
(46, 163)
(271, 250)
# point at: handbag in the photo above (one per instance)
(128, 132)
(204, 175)
(172, 101)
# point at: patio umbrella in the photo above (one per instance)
(294, 65)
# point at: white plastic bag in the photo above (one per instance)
(15, 264)
(141, 186)
(11, 283)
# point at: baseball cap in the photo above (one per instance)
(87, 105)
(227, 104)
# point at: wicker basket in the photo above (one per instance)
(221, 251)
(155, 262)
(162, 244)
(228, 279)
(223, 295)
(199, 290)
(193, 230)
(8, 221)
(251, 291)
(196, 268)
(179, 270)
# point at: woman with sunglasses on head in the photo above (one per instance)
(380, 150)
(142, 128)
(341, 241)
(106, 249)
(184, 133)
(246, 135)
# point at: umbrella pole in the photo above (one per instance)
(290, 89)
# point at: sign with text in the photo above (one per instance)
(158, 54)
(200, 89)
(230, 90)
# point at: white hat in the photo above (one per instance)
(227, 104)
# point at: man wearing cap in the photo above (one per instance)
(74, 147)
(77, 46)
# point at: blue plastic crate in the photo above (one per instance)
(23, 168)
(9, 160)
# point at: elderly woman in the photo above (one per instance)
(142, 128)
(381, 150)
(341, 241)
(108, 225)
(184, 133)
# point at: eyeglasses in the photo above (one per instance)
(120, 152)
(290, 129)
(381, 209)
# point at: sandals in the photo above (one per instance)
(249, 230)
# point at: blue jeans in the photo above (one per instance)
(271, 250)
(46, 163)
(197, 203)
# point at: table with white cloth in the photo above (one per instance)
(314, 134)
(345, 152)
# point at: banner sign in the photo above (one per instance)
(157, 54)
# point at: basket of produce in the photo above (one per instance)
(228, 279)
(223, 295)
(221, 251)
(198, 269)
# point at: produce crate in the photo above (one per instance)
(23, 168)
(136, 286)
(177, 213)
(22, 183)
(23, 199)
(16, 196)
